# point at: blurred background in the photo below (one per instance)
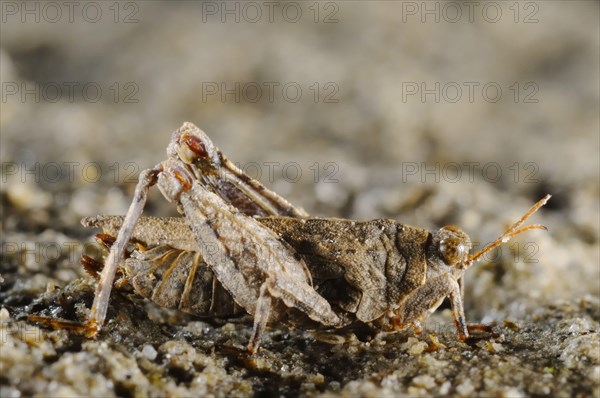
(427, 112)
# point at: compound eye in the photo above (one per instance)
(452, 250)
(191, 148)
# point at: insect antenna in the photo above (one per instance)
(514, 230)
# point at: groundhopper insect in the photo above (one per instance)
(242, 249)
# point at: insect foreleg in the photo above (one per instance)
(102, 295)
(426, 299)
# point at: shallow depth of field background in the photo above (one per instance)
(431, 113)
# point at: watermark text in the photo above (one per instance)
(470, 11)
(453, 172)
(52, 92)
(470, 91)
(69, 11)
(270, 11)
(270, 91)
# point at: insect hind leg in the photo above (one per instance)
(261, 317)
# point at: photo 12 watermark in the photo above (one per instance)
(291, 171)
(326, 12)
(23, 331)
(70, 171)
(128, 172)
(516, 251)
(471, 172)
(526, 12)
(69, 11)
(470, 91)
(270, 91)
(71, 91)
(33, 254)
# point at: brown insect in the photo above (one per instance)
(241, 248)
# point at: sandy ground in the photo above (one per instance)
(428, 113)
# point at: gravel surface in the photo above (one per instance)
(357, 110)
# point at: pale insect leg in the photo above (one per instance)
(101, 298)
(261, 317)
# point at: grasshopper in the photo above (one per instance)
(242, 249)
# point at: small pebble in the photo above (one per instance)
(424, 381)
(414, 346)
(149, 352)
(465, 389)
(4, 315)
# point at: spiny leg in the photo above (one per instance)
(91, 266)
(102, 295)
(94, 267)
(261, 317)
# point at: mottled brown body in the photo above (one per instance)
(392, 258)
(240, 248)
(365, 268)
(380, 272)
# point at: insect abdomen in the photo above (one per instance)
(180, 279)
